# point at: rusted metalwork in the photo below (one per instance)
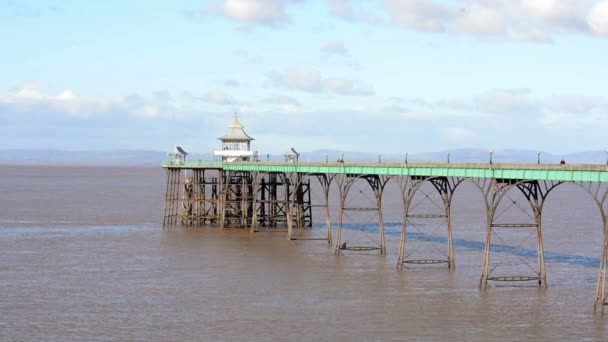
(279, 196)
(534, 193)
(345, 185)
(411, 186)
(301, 200)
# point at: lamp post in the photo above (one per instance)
(342, 157)
(538, 157)
(406, 157)
(380, 158)
(267, 157)
(448, 155)
(491, 152)
(326, 159)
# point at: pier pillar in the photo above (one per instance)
(301, 202)
(172, 197)
(255, 180)
(526, 198)
(360, 202)
(600, 290)
(599, 193)
(427, 210)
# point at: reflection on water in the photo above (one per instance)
(82, 256)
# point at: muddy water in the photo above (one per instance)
(83, 257)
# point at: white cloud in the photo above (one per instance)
(521, 20)
(506, 101)
(148, 111)
(529, 33)
(282, 99)
(283, 103)
(32, 98)
(421, 15)
(342, 86)
(456, 134)
(598, 18)
(232, 83)
(310, 80)
(578, 105)
(567, 15)
(352, 11)
(479, 19)
(220, 98)
(302, 79)
(334, 48)
(263, 12)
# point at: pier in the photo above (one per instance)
(243, 192)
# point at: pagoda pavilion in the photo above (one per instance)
(236, 144)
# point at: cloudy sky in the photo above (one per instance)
(379, 76)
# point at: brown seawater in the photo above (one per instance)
(83, 257)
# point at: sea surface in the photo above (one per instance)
(83, 256)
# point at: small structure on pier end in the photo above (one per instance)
(178, 155)
(291, 156)
(236, 144)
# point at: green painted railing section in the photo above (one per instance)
(569, 173)
(193, 165)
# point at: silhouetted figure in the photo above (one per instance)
(562, 161)
(343, 246)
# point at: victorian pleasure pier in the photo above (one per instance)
(240, 191)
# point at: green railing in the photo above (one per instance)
(193, 164)
(554, 172)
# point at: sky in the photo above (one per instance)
(384, 76)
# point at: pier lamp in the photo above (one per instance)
(491, 152)
(326, 158)
(448, 155)
(267, 157)
(380, 158)
(606, 156)
(406, 157)
(342, 157)
(538, 157)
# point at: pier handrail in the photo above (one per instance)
(557, 172)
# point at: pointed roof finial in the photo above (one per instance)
(236, 122)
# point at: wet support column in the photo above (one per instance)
(535, 193)
(224, 185)
(325, 181)
(301, 201)
(377, 184)
(186, 213)
(255, 180)
(600, 290)
(166, 207)
(599, 193)
(174, 187)
(445, 187)
(287, 183)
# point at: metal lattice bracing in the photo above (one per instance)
(258, 195)
(302, 202)
(436, 214)
(346, 184)
(526, 198)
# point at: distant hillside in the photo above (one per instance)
(463, 155)
(49, 157)
(154, 158)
